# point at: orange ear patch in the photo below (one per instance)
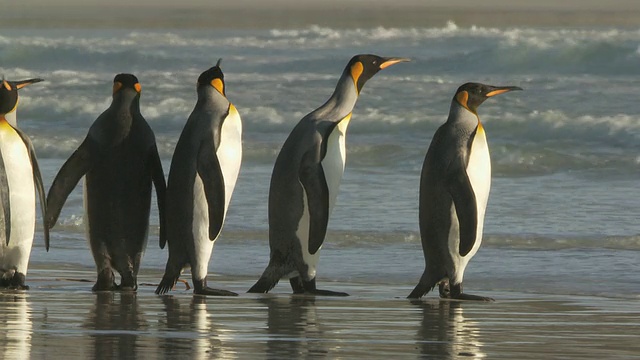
(463, 98)
(218, 85)
(356, 70)
(6, 85)
(138, 87)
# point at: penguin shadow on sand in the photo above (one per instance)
(114, 322)
(16, 325)
(445, 333)
(190, 331)
(293, 328)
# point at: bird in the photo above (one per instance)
(305, 181)
(202, 177)
(119, 160)
(454, 190)
(20, 179)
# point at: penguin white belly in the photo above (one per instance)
(202, 244)
(479, 173)
(335, 159)
(333, 167)
(229, 152)
(22, 199)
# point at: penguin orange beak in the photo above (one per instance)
(392, 61)
(501, 90)
(23, 83)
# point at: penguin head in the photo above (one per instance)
(363, 67)
(124, 82)
(471, 95)
(9, 93)
(213, 77)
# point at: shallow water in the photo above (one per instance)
(59, 318)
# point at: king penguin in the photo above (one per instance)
(203, 174)
(19, 180)
(119, 160)
(454, 190)
(305, 181)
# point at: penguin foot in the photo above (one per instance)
(200, 288)
(101, 287)
(17, 282)
(129, 283)
(300, 286)
(214, 292)
(444, 289)
(456, 293)
(127, 288)
(472, 297)
(105, 282)
(325, 292)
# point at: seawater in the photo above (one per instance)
(563, 211)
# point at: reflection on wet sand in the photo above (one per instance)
(16, 326)
(294, 328)
(191, 333)
(446, 333)
(114, 324)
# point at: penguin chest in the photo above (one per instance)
(229, 151)
(229, 154)
(335, 159)
(479, 173)
(19, 174)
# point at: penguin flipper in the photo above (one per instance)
(157, 176)
(6, 201)
(315, 187)
(37, 179)
(208, 168)
(67, 178)
(464, 200)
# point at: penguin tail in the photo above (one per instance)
(167, 283)
(263, 285)
(171, 275)
(426, 284)
(268, 280)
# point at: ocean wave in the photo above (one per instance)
(440, 48)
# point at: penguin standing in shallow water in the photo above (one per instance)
(203, 174)
(305, 182)
(119, 160)
(454, 190)
(19, 180)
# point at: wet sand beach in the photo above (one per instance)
(60, 318)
